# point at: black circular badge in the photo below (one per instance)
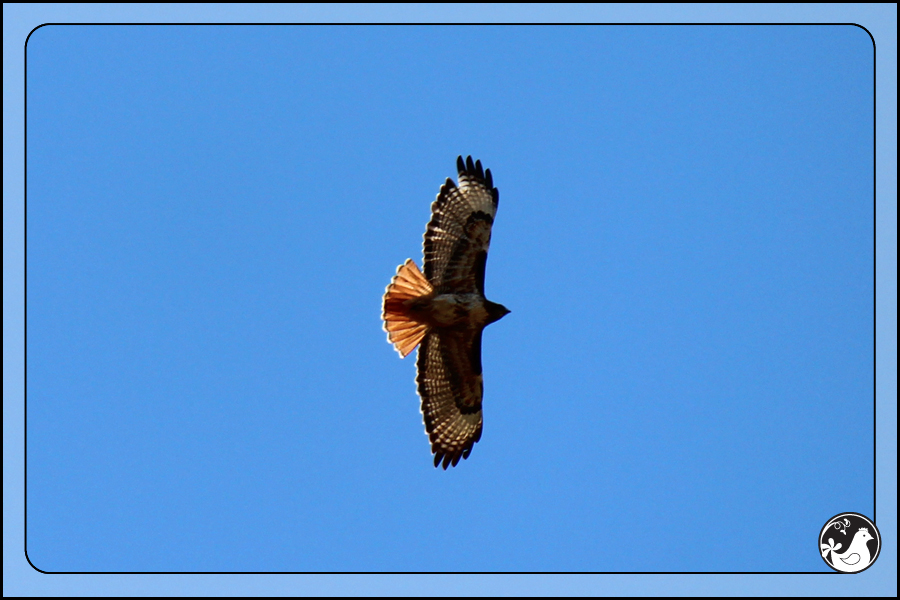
(849, 542)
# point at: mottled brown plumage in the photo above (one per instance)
(444, 311)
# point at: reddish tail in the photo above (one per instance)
(403, 331)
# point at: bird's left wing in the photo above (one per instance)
(450, 384)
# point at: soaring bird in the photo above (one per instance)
(446, 312)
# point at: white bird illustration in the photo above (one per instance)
(855, 558)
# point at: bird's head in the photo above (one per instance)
(495, 311)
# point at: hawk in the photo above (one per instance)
(446, 312)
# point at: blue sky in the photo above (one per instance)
(684, 237)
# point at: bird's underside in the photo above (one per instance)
(443, 311)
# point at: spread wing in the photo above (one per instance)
(450, 384)
(458, 235)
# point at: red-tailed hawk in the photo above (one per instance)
(445, 310)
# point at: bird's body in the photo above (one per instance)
(446, 312)
(451, 310)
(856, 557)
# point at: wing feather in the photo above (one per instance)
(451, 390)
(459, 232)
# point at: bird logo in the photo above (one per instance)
(863, 547)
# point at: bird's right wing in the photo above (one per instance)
(458, 235)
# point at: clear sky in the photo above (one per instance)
(685, 239)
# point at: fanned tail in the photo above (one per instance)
(404, 332)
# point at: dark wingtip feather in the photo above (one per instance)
(437, 459)
(474, 170)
